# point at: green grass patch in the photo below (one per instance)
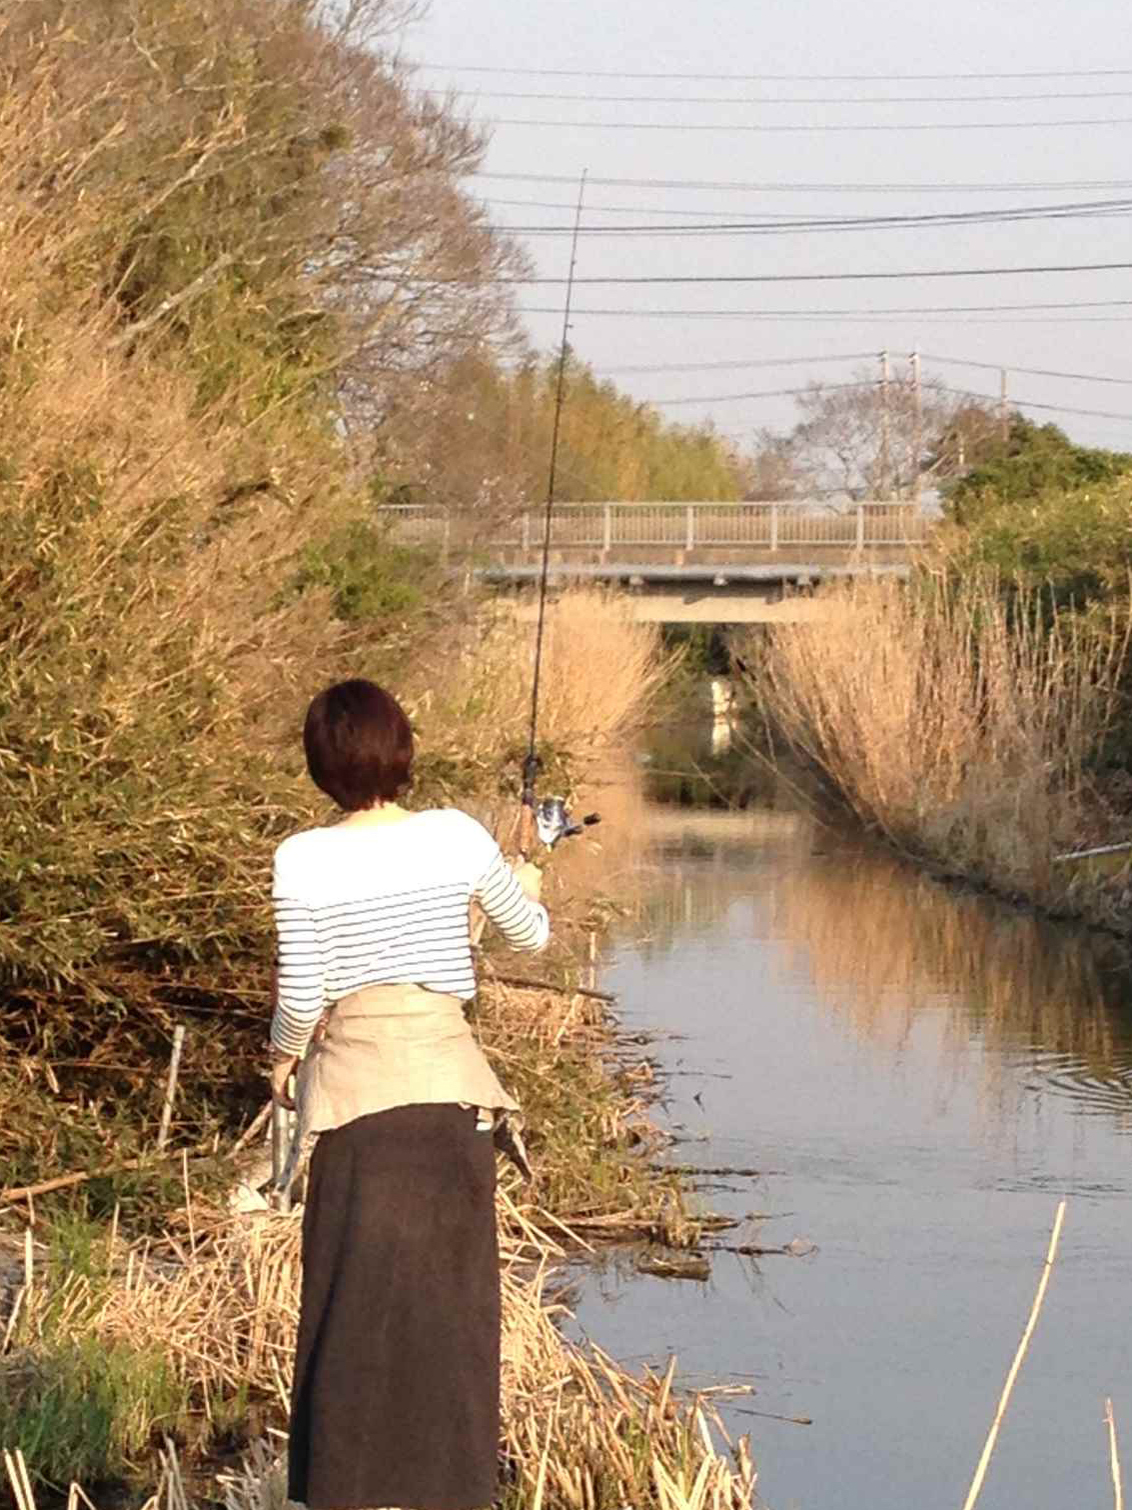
(82, 1409)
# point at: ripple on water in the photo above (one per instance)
(1094, 1092)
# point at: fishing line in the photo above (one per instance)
(531, 763)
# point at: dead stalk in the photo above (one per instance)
(1114, 1458)
(992, 1436)
(171, 1086)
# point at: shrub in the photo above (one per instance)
(367, 575)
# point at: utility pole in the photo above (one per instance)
(1003, 415)
(885, 430)
(917, 426)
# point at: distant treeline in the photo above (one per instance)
(499, 429)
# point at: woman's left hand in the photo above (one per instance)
(281, 1072)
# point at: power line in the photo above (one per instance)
(774, 219)
(928, 314)
(728, 398)
(1016, 403)
(824, 356)
(1083, 209)
(858, 356)
(795, 187)
(1079, 377)
(825, 99)
(809, 127)
(790, 78)
(955, 272)
(626, 209)
(770, 217)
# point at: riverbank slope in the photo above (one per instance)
(139, 1312)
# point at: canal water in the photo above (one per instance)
(919, 1074)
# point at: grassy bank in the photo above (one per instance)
(247, 296)
(962, 723)
(142, 1311)
(118, 1349)
(91, 1385)
(84, 1068)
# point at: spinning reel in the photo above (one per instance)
(547, 818)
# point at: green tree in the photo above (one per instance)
(1038, 464)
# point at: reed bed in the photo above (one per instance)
(957, 721)
(586, 1096)
(80, 1072)
(601, 672)
(579, 1431)
(191, 1335)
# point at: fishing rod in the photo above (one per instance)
(549, 818)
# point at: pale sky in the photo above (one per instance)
(1088, 42)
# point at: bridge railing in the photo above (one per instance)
(675, 526)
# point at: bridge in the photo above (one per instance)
(714, 563)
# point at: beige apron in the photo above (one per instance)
(387, 1046)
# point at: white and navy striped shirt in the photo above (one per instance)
(387, 904)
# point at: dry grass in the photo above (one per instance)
(579, 1431)
(222, 1298)
(148, 534)
(164, 482)
(601, 672)
(585, 1097)
(955, 722)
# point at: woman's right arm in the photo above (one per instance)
(522, 921)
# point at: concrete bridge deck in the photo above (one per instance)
(697, 593)
(718, 563)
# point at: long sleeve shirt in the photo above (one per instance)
(387, 904)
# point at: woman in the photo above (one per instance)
(396, 1389)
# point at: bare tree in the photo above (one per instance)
(771, 473)
(866, 439)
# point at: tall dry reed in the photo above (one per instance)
(601, 671)
(956, 721)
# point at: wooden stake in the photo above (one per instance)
(188, 1199)
(171, 1086)
(992, 1436)
(13, 1318)
(18, 1478)
(1114, 1455)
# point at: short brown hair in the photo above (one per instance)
(359, 744)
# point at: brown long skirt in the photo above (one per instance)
(396, 1391)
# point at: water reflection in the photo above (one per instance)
(920, 1073)
(883, 945)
